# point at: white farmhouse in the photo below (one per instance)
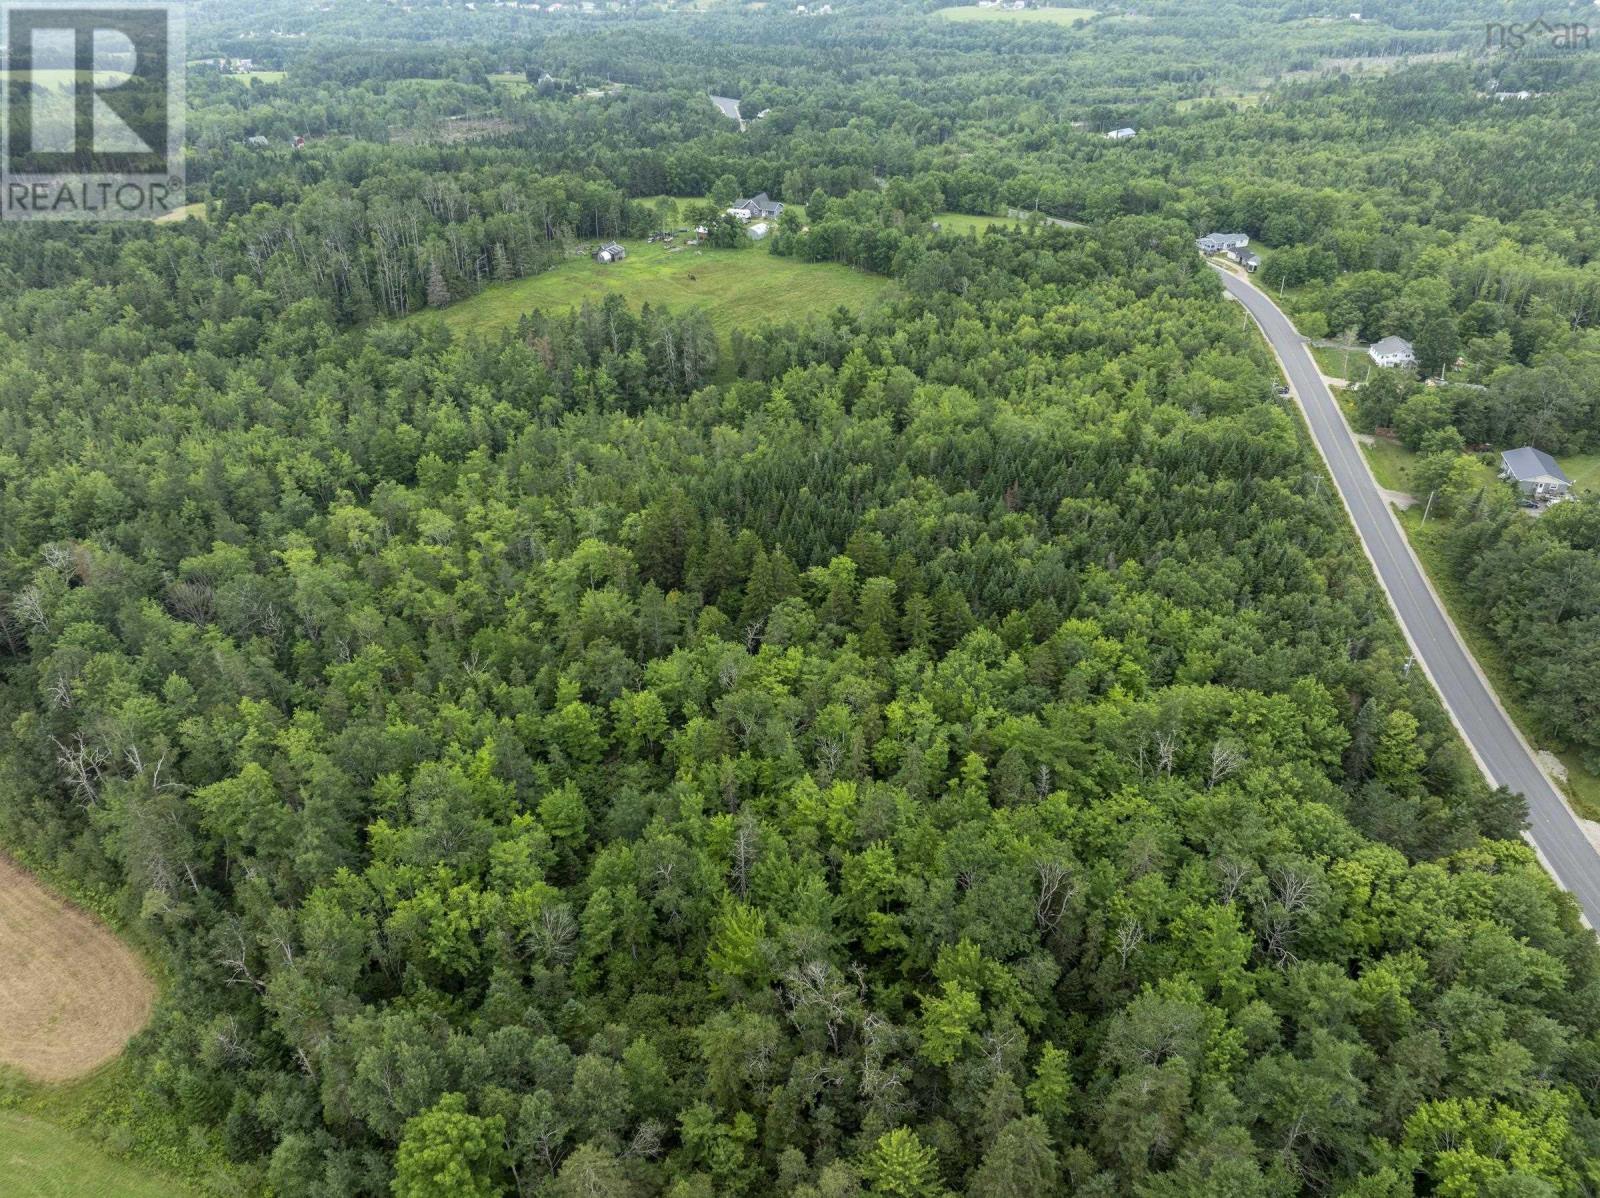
(1392, 351)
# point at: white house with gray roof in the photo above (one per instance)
(1221, 243)
(1535, 473)
(1393, 351)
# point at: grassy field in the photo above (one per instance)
(511, 81)
(40, 1160)
(1332, 362)
(198, 211)
(1394, 466)
(738, 288)
(63, 75)
(1584, 471)
(265, 76)
(1239, 100)
(1036, 16)
(959, 222)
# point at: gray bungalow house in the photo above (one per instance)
(1220, 243)
(761, 207)
(1535, 474)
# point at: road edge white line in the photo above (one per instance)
(1394, 608)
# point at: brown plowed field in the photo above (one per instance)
(71, 993)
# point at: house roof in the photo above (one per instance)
(1530, 465)
(1390, 346)
(760, 205)
(612, 247)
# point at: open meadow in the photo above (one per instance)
(1028, 16)
(38, 1159)
(737, 288)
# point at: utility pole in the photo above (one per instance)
(1429, 508)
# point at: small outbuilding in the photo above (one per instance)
(610, 252)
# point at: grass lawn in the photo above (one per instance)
(265, 76)
(40, 1160)
(1240, 100)
(738, 288)
(1584, 471)
(960, 222)
(1040, 16)
(1583, 788)
(1394, 466)
(1332, 362)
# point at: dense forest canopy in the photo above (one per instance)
(955, 747)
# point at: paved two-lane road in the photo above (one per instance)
(1500, 749)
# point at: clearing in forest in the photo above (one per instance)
(737, 288)
(71, 993)
(1037, 16)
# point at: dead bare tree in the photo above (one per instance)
(1130, 935)
(236, 959)
(83, 767)
(1280, 910)
(28, 606)
(1166, 751)
(1231, 875)
(816, 990)
(1057, 888)
(1226, 760)
(746, 844)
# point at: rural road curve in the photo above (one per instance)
(1505, 757)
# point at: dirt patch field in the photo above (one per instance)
(71, 993)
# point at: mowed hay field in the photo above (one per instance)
(40, 1160)
(71, 993)
(737, 288)
(1035, 16)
